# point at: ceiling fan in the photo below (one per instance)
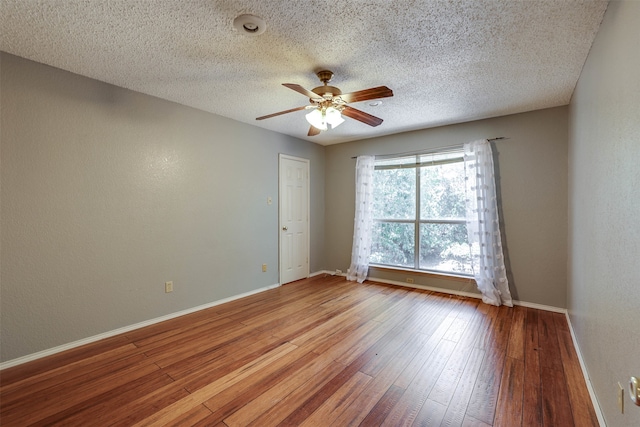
(329, 104)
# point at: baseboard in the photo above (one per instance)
(64, 347)
(583, 367)
(317, 273)
(465, 294)
(330, 273)
(541, 306)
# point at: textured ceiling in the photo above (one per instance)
(446, 61)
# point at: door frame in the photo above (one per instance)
(282, 156)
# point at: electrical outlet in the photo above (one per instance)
(264, 268)
(338, 272)
(620, 398)
(409, 280)
(168, 287)
(269, 200)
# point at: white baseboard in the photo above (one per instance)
(583, 367)
(330, 273)
(64, 347)
(466, 294)
(541, 306)
(317, 273)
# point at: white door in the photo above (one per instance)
(294, 218)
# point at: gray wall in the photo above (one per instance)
(604, 206)
(108, 193)
(532, 171)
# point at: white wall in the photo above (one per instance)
(532, 169)
(108, 193)
(604, 206)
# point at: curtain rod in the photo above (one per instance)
(431, 150)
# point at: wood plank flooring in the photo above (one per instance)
(318, 352)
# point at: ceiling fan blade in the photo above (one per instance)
(303, 91)
(281, 112)
(361, 116)
(313, 131)
(366, 94)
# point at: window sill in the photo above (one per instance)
(446, 276)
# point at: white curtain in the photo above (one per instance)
(363, 222)
(483, 224)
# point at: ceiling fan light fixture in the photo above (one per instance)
(317, 119)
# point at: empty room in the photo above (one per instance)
(432, 217)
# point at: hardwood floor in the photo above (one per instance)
(318, 352)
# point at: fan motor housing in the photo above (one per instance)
(323, 90)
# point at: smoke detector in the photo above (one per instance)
(249, 25)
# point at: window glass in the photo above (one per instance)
(393, 244)
(442, 191)
(444, 247)
(394, 194)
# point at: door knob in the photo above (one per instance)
(285, 228)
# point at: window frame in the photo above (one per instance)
(417, 221)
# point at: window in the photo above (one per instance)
(419, 213)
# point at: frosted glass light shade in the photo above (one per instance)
(334, 118)
(317, 119)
